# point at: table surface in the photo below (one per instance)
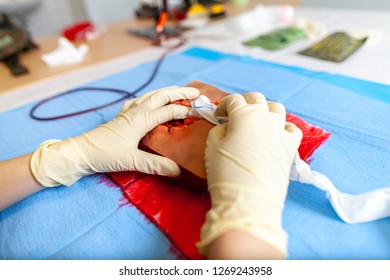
(369, 63)
(115, 43)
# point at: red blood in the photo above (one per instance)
(178, 205)
(178, 211)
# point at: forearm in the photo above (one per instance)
(238, 245)
(16, 181)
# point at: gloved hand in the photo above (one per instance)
(248, 161)
(113, 146)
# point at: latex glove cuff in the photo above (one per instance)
(251, 210)
(57, 162)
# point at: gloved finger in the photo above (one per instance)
(128, 104)
(280, 111)
(155, 164)
(242, 116)
(213, 143)
(147, 95)
(255, 98)
(277, 108)
(229, 104)
(216, 134)
(294, 131)
(166, 96)
(165, 114)
(135, 101)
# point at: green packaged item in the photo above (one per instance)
(336, 47)
(277, 39)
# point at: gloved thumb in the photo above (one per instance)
(155, 164)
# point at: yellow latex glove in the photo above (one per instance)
(248, 161)
(113, 146)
